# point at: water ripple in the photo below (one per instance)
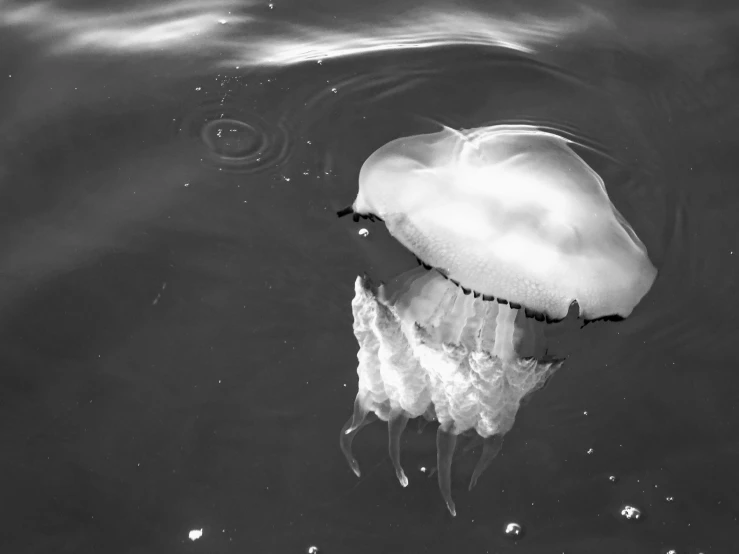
(237, 140)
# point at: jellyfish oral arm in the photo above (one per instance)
(504, 347)
(426, 348)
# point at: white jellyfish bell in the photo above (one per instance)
(512, 230)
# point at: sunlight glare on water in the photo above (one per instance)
(245, 33)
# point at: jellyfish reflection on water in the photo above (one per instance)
(513, 230)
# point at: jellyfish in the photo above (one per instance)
(512, 231)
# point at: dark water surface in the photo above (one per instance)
(175, 287)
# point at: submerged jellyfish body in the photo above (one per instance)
(513, 230)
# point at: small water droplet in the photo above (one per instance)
(513, 530)
(363, 232)
(631, 513)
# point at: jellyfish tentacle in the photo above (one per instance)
(359, 419)
(490, 448)
(446, 441)
(395, 427)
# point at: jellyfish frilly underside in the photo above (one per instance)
(506, 221)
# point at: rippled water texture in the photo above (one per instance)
(176, 287)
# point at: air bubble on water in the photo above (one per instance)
(631, 513)
(513, 530)
(363, 232)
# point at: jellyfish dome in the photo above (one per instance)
(512, 230)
